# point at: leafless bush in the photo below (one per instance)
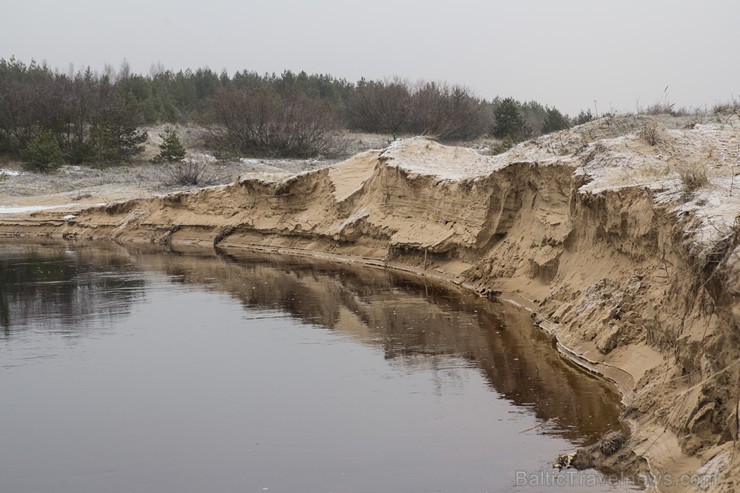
(397, 107)
(263, 122)
(191, 171)
(729, 107)
(446, 112)
(650, 133)
(380, 106)
(726, 111)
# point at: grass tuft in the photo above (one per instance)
(650, 133)
(693, 175)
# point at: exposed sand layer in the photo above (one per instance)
(593, 229)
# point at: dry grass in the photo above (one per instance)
(693, 175)
(664, 108)
(650, 133)
(731, 107)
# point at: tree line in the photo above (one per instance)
(49, 117)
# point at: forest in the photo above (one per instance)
(50, 118)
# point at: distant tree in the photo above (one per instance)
(583, 117)
(136, 91)
(125, 70)
(28, 100)
(263, 122)
(428, 108)
(554, 121)
(445, 112)
(114, 134)
(509, 121)
(380, 106)
(93, 117)
(82, 103)
(42, 152)
(171, 149)
(534, 114)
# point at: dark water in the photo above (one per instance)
(130, 371)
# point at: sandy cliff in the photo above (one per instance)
(599, 230)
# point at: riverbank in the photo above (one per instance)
(619, 236)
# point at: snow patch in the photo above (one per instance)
(425, 157)
(36, 208)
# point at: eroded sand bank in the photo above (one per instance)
(593, 229)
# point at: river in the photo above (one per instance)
(125, 370)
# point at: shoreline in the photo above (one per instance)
(617, 273)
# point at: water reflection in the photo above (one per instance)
(53, 288)
(204, 380)
(417, 325)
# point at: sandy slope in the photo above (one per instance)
(591, 228)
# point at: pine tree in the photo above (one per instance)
(554, 121)
(114, 136)
(584, 116)
(171, 149)
(509, 121)
(42, 153)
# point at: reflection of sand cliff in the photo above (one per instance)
(593, 228)
(416, 325)
(383, 309)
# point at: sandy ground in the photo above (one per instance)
(595, 230)
(78, 186)
(75, 187)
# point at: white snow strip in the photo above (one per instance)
(35, 208)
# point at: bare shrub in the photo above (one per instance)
(728, 107)
(263, 122)
(428, 108)
(191, 171)
(650, 133)
(380, 106)
(724, 112)
(446, 112)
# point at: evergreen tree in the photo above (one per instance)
(509, 121)
(584, 116)
(171, 149)
(42, 152)
(115, 137)
(554, 121)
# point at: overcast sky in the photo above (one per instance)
(566, 53)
